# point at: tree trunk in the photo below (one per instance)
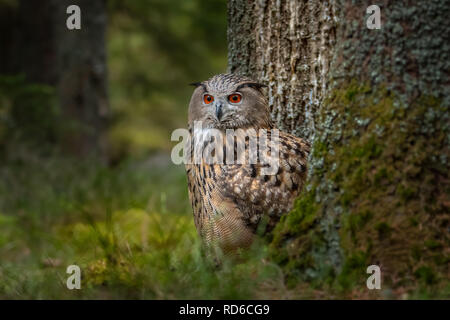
(72, 61)
(287, 45)
(374, 104)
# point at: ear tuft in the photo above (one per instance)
(198, 84)
(255, 85)
(258, 85)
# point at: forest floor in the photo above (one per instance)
(129, 229)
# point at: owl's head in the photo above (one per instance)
(229, 101)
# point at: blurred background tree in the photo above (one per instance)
(156, 49)
(40, 48)
(120, 84)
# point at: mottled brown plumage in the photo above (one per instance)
(229, 199)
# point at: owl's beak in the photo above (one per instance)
(219, 112)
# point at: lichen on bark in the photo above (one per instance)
(382, 186)
(286, 45)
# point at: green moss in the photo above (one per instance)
(357, 221)
(353, 270)
(416, 252)
(376, 191)
(294, 233)
(304, 215)
(426, 274)
(433, 244)
(383, 229)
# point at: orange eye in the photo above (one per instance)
(235, 98)
(207, 99)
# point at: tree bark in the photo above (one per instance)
(374, 104)
(286, 45)
(72, 61)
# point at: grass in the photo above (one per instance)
(129, 228)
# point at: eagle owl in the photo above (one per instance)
(230, 197)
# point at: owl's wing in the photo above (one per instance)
(194, 197)
(217, 217)
(229, 200)
(256, 193)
